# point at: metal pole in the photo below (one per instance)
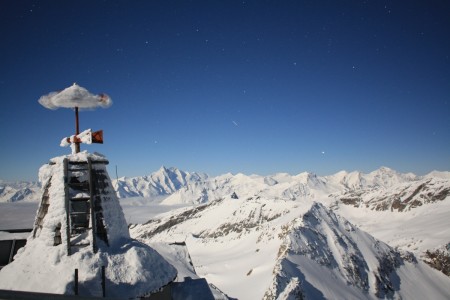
(11, 253)
(76, 282)
(77, 130)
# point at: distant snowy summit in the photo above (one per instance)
(163, 182)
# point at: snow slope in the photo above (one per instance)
(417, 230)
(258, 248)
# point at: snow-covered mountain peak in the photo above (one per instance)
(340, 174)
(172, 178)
(171, 172)
(438, 174)
(289, 250)
(384, 169)
(308, 178)
(344, 180)
(163, 168)
(386, 177)
(323, 256)
(381, 178)
(165, 181)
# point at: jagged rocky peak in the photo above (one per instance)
(165, 181)
(172, 177)
(323, 256)
(290, 250)
(402, 197)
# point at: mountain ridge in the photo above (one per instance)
(173, 185)
(201, 189)
(19, 191)
(289, 249)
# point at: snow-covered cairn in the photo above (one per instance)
(48, 261)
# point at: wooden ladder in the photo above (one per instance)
(83, 205)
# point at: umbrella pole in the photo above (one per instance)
(77, 131)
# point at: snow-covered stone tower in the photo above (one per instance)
(80, 242)
(85, 211)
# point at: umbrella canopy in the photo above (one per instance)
(75, 96)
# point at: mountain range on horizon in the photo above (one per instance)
(174, 186)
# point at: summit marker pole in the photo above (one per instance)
(77, 130)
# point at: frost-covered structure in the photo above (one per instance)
(80, 225)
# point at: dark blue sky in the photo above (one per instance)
(231, 86)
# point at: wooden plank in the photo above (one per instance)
(43, 208)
